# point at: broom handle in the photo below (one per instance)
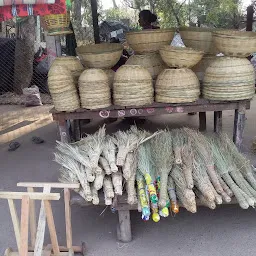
(151, 189)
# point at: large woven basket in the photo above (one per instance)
(229, 78)
(235, 43)
(198, 38)
(133, 86)
(94, 89)
(104, 55)
(202, 65)
(149, 40)
(152, 62)
(177, 86)
(63, 89)
(180, 57)
(57, 24)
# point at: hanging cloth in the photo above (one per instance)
(24, 10)
(16, 2)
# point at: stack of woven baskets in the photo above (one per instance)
(95, 83)
(133, 82)
(63, 89)
(71, 63)
(200, 39)
(178, 84)
(231, 77)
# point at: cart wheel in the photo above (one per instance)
(83, 248)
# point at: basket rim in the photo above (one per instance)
(235, 34)
(88, 49)
(151, 31)
(197, 29)
(188, 50)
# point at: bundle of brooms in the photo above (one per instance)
(158, 171)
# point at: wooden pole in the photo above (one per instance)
(95, 23)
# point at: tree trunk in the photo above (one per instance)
(79, 31)
(95, 21)
(24, 54)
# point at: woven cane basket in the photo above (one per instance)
(230, 79)
(72, 63)
(101, 56)
(94, 89)
(202, 65)
(57, 24)
(177, 86)
(63, 89)
(235, 43)
(133, 86)
(149, 40)
(180, 57)
(198, 38)
(152, 62)
(110, 74)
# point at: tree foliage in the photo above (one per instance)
(214, 13)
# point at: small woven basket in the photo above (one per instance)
(133, 86)
(58, 24)
(149, 40)
(63, 89)
(199, 39)
(177, 86)
(180, 57)
(152, 62)
(235, 43)
(229, 78)
(94, 89)
(101, 56)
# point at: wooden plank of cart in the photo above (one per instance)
(202, 106)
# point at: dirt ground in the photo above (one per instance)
(226, 231)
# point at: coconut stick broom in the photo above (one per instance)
(75, 167)
(163, 159)
(223, 168)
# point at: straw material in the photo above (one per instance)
(133, 86)
(198, 38)
(202, 65)
(94, 89)
(235, 43)
(180, 57)
(104, 55)
(58, 24)
(149, 40)
(152, 62)
(63, 89)
(229, 79)
(177, 86)
(70, 62)
(110, 74)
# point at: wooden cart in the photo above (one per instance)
(202, 106)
